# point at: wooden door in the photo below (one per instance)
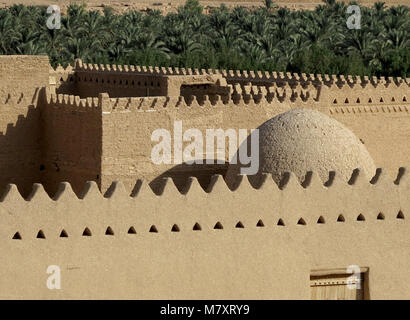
(336, 287)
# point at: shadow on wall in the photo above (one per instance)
(48, 144)
(20, 150)
(89, 84)
(181, 173)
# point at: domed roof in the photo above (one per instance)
(307, 140)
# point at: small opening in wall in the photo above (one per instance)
(321, 220)
(380, 216)
(196, 227)
(157, 84)
(109, 231)
(393, 100)
(302, 222)
(218, 226)
(260, 224)
(17, 236)
(400, 215)
(42, 167)
(239, 225)
(175, 228)
(131, 230)
(340, 218)
(102, 80)
(152, 84)
(281, 223)
(87, 232)
(360, 217)
(335, 101)
(347, 100)
(358, 100)
(370, 100)
(153, 229)
(63, 234)
(139, 83)
(404, 99)
(381, 100)
(40, 235)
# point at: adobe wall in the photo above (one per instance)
(118, 85)
(20, 154)
(71, 141)
(119, 81)
(371, 107)
(89, 80)
(381, 123)
(20, 79)
(269, 262)
(378, 114)
(129, 123)
(62, 80)
(23, 74)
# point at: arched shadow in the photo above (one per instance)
(181, 173)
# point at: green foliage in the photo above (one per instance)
(192, 7)
(269, 4)
(268, 38)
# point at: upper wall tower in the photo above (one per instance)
(21, 80)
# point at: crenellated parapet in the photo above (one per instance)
(66, 102)
(250, 99)
(141, 210)
(232, 85)
(244, 76)
(62, 74)
(385, 93)
(251, 95)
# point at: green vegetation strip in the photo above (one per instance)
(267, 39)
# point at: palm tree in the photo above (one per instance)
(329, 2)
(267, 39)
(9, 36)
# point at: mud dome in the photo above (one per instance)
(305, 140)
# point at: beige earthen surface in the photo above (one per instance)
(269, 262)
(92, 122)
(172, 5)
(302, 140)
